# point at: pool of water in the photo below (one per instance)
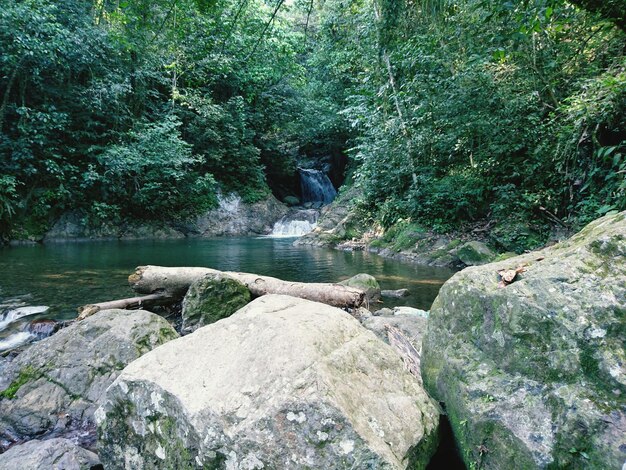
(64, 276)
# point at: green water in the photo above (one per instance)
(65, 276)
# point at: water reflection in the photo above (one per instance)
(67, 275)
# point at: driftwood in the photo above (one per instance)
(174, 282)
(130, 303)
(406, 350)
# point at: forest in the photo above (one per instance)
(448, 115)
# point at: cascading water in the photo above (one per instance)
(316, 186)
(295, 224)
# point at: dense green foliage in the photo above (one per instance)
(466, 111)
(454, 114)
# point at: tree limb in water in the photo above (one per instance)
(174, 282)
(130, 303)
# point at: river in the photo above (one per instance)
(64, 276)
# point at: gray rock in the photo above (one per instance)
(52, 388)
(236, 217)
(395, 294)
(53, 454)
(475, 253)
(534, 373)
(384, 312)
(283, 383)
(412, 326)
(211, 298)
(366, 283)
(410, 311)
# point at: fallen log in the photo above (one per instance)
(175, 282)
(130, 303)
(410, 356)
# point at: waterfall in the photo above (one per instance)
(316, 186)
(15, 314)
(295, 224)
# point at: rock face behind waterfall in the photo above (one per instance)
(283, 383)
(53, 387)
(533, 375)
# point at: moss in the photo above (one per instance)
(27, 374)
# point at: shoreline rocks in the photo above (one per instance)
(52, 388)
(52, 454)
(289, 383)
(533, 373)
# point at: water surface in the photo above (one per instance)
(65, 276)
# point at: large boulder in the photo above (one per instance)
(211, 298)
(366, 283)
(533, 373)
(283, 383)
(53, 454)
(53, 387)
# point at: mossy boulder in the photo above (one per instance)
(533, 373)
(53, 387)
(291, 201)
(366, 283)
(283, 383)
(211, 298)
(475, 253)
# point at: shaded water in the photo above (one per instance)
(65, 276)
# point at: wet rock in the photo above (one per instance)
(53, 387)
(282, 383)
(291, 201)
(42, 328)
(53, 454)
(395, 294)
(533, 374)
(212, 298)
(366, 283)
(475, 253)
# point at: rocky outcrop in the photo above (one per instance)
(533, 373)
(231, 217)
(235, 217)
(52, 388)
(337, 221)
(211, 298)
(53, 454)
(283, 383)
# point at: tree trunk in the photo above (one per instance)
(174, 282)
(406, 350)
(130, 303)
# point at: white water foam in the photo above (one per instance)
(15, 340)
(291, 228)
(15, 314)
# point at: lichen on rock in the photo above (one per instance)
(533, 374)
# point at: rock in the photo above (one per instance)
(475, 253)
(533, 374)
(54, 386)
(211, 298)
(42, 328)
(384, 311)
(366, 283)
(236, 217)
(413, 327)
(410, 311)
(53, 454)
(282, 383)
(291, 201)
(395, 294)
